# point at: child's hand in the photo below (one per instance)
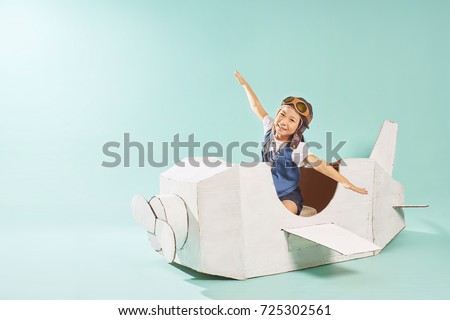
(239, 78)
(354, 188)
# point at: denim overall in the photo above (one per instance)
(285, 172)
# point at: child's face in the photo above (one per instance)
(286, 122)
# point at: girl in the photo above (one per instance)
(284, 147)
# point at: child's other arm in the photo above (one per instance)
(324, 168)
(252, 99)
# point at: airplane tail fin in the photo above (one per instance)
(384, 150)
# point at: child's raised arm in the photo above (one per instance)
(324, 168)
(252, 99)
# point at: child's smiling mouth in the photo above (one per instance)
(280, 127)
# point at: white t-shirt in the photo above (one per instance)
(299, 154)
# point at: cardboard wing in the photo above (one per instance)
(335, 238)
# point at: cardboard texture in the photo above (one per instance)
(227, 220)
(336, 238)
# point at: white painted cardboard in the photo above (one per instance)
(384, 150)
(235, 222)
(334, 237)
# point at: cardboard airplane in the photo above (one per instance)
(228, 220)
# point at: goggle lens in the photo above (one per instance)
(288, 99)
(301, 107)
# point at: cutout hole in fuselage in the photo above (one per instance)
(317, 189)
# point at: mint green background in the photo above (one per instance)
(77, 74)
